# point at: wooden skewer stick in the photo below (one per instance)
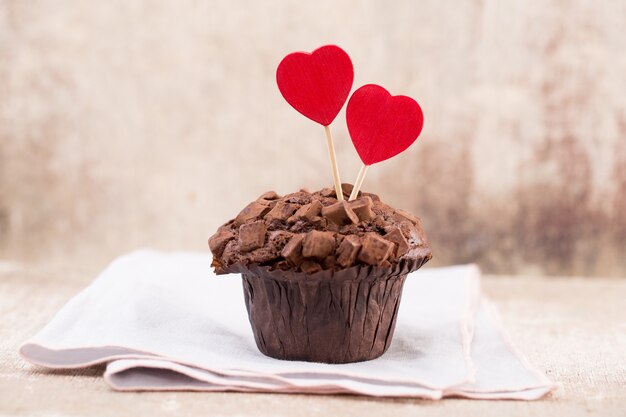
(333, 163)
(359, 182)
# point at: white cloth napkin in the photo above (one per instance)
(164, 321)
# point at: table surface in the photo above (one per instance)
(572, 328)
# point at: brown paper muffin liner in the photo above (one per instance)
(342, 316)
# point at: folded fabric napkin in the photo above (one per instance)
(164, 321)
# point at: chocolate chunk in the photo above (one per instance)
(401, 215)
(347, 189)
(270, 195)
(379, 221)
(251, 236)
(252, 211)
(281, 211)
(301, 198)
(348, 250)
(375, 249)
(385, 264)
(318, 245)
(293, 250)
(362, 207)
(307, 212)
(394, 234)
(319, 222)
(373, 196)
(310, 267)
(315, 208)
(218, 242)
(328, 192)
(340, 213)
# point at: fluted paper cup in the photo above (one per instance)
(342, 316)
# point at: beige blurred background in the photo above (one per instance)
(126, 124)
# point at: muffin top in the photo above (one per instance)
(313, 231)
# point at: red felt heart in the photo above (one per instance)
(316, 84)
(381, 125)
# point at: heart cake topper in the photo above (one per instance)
(316, 84)
(381, 126)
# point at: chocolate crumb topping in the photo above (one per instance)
(312, 231)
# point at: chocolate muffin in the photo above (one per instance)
(322, 278)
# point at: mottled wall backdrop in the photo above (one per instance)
(148, 123)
